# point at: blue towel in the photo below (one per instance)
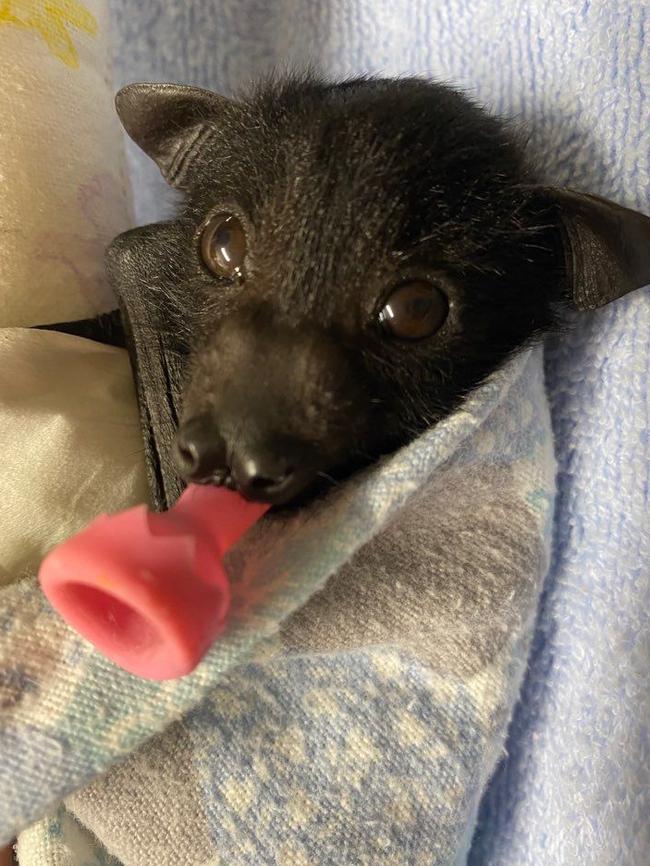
(576, 777)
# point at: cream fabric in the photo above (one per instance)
(69, 436)
(69, 439)
(63, 187)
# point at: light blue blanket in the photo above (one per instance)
(576, 778)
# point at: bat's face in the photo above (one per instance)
(349, 263)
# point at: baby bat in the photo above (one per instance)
(348, 261)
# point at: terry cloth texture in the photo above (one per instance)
(574, 786)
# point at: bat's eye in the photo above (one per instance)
(223, 245)
(414, 310)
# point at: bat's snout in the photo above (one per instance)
(272, 469)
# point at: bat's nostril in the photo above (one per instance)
(199, 452)
(188, 456)
(254, 474)
(268, 476)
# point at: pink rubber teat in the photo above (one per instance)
(149, 589)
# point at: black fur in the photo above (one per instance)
(345, 190)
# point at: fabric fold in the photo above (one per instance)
(367, 733)
(81, 713)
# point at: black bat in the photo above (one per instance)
(348, 261)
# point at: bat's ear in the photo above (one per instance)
(169, 121)
(606, 246)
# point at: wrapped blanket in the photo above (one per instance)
(383, 702)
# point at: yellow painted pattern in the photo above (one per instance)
(52, 20)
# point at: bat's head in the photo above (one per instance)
(348, 262)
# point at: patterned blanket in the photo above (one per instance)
(386, 629)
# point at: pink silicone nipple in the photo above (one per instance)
(149, 589)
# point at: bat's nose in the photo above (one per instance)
(200, 452)
(270, 469)
(264, 476)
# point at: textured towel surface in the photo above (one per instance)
(575, 787)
